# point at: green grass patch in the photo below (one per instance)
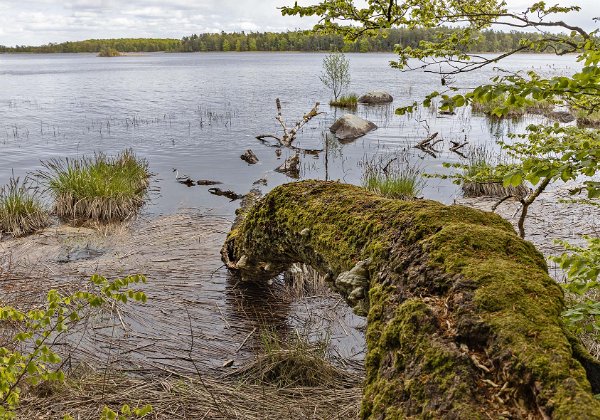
(101, 188)
(21, 210)
(345, 101)
(392, 177)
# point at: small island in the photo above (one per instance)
(109, 52)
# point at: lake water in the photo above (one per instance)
(197, 113)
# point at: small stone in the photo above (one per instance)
(304, 232)
(376, 97)
(228, 363)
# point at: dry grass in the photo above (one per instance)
(21, 210)
(493, 189)
(294, 362)
(177, 397)
(99, 189)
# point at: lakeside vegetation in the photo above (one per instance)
(307, 41)
(100, 188)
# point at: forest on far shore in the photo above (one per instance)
(489, 41)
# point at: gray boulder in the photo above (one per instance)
(376, 97)
(350, 127)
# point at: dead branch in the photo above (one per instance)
(289, 135)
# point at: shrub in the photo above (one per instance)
(336, 73)
(99, 188)
(21, 210)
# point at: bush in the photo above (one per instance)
(21, 210)
(99, 188)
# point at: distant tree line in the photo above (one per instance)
(489, 41)
(97, 45)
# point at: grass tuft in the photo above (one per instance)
(100, 188)
(295, 362)
(392, 177)
(21, 210)
(531, 106)
(345, 101)
(482, 177)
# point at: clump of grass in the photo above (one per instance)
(21, 210)
(482, 177)
(392, 177)
(345, 101)
(100, 188)
(531, 106)
(295, 362)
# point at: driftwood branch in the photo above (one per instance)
(289, 134)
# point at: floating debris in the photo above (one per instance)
(250, 157)
(225, 193)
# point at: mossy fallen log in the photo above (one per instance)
(463, 319)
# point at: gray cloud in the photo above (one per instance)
(34, 22)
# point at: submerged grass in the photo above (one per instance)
(345, 101)
(100, 188)
(21, 210)
(392, 177)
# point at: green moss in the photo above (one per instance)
(424, 254)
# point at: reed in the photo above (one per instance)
(21, 209)
(392, 177)
(483, 178)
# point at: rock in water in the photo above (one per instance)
(350, 127)
(291, 167)
(376, 97)
(249, 157)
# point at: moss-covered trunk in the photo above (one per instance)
(463, 319)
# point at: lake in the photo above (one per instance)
(197, 113)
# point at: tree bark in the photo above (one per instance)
(463, 320)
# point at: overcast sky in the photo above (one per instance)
(35, 22)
